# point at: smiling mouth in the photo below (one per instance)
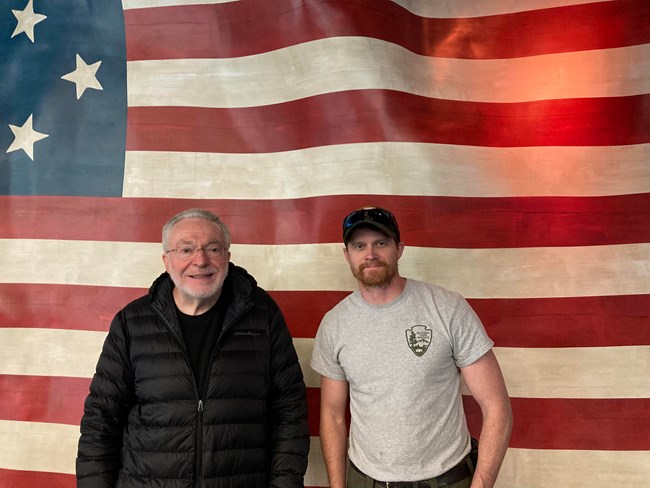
(201, 276)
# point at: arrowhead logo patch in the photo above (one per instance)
(418, 339)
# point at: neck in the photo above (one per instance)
(193, 305)
(383, 294)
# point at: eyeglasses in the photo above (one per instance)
(371, 215)
(188, 252)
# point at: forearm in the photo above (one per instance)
(333, 436)
(495, 436)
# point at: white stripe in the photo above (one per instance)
(588, 372)
(424, 8)
(475, 273)
(359, 63)
(316, 474)
(52, 448)
(133, 4)
(50, 352)
(47, 447)
(473, 8)
(576, 469)
(581, 372)
(38, 446)
(391, 168)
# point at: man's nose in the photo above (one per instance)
(201, 256)
(371, 252)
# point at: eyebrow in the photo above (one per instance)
(211, 243)
(355, 242)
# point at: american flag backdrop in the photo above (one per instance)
(510, 137)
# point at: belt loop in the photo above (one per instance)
(470, 463)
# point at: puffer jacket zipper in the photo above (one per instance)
(204, 389)
(198, 474)
(228, 323)
(199, 445)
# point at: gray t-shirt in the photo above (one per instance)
(402, 363)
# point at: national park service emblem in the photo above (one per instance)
(418, 339)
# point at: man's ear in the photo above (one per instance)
(400, 249)
(345, 253)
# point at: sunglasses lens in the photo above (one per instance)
(352, 219)
(384, 217)
(372, 214)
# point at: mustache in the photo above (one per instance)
(363, 266)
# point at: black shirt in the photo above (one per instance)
(200, 333)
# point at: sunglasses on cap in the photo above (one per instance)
(377, 217)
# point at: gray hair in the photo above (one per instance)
(195, 213)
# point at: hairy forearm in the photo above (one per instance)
(495, 436)
(333, 436)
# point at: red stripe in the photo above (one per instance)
(585, 424)
(253, 27)
(62, 306)
(34, 479)
(566, 322)
(511, 322)
(313, 412)
(10, 478)
(383, 115)
(539, 322)
(424, 221)
(50, 399)
(601, 424)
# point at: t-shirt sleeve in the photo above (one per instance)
(471, 341)
(324, 358)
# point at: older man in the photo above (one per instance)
(198, 383)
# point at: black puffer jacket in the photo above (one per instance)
(145, 426)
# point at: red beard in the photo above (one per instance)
(381, 273)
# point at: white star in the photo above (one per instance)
(27, 19)
(25, 137)
(84, 76)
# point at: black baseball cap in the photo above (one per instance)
(376, 217)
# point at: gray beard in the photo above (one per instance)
(207, 293)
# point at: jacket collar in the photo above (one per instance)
(240, 282)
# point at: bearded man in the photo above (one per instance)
(198, 383)
(397, 348)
